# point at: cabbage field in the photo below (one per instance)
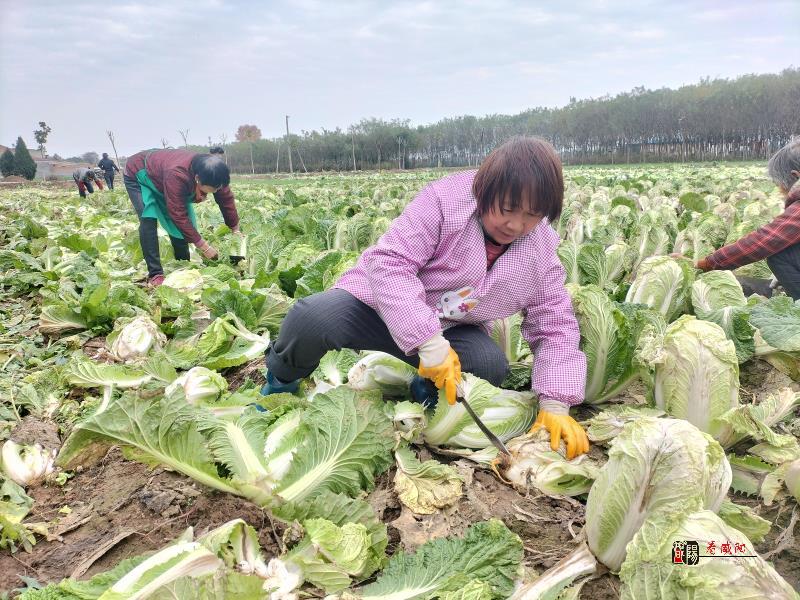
(139, 460)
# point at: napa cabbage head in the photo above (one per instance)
(648, 571)
(409, 420)
(617, 262)
(568, 255)
(381, 371)
(506, 413)
(333, 367)
(655, 231)
(701, 237)
(664, 284)
(654, 465)
(604, 266)
(26, 465)
(135, 338)
(200, 385)
(533, 464)
(717, 296)
(696, 373)
(188, 281)
(609, 333)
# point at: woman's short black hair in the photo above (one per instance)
(211, 170)
(522, 168)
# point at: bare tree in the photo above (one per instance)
(164, 142)
(110, 135)
(399, 152)
(302, 163)
(184, 133)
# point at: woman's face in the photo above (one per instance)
(202, 190)
(504, 224)
(783, 189)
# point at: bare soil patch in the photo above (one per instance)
(120, 509)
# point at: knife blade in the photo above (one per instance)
(496, 441)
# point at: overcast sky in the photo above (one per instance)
(147, 69)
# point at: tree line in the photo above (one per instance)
(745, 118)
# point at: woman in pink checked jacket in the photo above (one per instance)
(470, 248)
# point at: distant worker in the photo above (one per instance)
(84, 178)
(779, 240)
(108, 167)
(163, 186)
(217, 150)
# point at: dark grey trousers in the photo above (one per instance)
(785, 265)
(148, 232)
(335, 319)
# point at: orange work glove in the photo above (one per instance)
(563, 426)
(439, 363)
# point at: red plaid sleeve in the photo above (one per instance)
(777, 235)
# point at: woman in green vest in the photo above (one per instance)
(163, 186)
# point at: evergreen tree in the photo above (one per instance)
(7, 163)
(23, 161)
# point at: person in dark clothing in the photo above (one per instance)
(163, 185)
(108, 167)
(84, 178)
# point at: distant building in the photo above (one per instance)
(50, 167)
(61, 169)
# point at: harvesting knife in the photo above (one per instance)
(496, 441)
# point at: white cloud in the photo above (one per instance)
(648, 33)
(211, 65)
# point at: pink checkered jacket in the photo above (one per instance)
(428, 272)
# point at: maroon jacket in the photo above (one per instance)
(171, 173)
(780, 233)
